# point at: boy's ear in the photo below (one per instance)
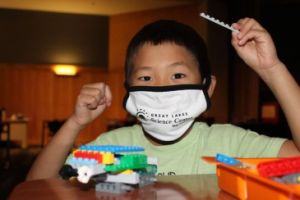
(212, 86)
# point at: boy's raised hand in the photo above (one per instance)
(91, 102)
(254, 45)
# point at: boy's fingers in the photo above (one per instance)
(236, 26)
(87, 101)
(256, 25)
(96, 86)
(92, 92)
(99, 85)
(251, 35)
(243, 20)
(97, 90)
(93, 95)
(108, 95)
(247, 25)
(245, 28)
(235, 41)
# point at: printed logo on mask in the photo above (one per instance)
(142, 114)
(173, 119)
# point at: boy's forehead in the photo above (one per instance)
(169, 52)
(163, 50)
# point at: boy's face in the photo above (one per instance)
(164, 64)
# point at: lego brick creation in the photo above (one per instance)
(258, 178)
(114, 169)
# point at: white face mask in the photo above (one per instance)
(166, 112)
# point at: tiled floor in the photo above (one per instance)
(15, 172)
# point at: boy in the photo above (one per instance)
(168, 85)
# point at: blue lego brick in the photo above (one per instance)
(227, 159)
(82, 161)
(111, 148)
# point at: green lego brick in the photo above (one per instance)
(150, 169)
(130, 161)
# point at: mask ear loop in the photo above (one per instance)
(206, 83)
(126, 85)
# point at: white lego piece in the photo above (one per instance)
(147, 180)
(116, 188)
(124, 178)
(212, 19)
(86, 172)
(152, 161)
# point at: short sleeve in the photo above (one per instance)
(251, 144)
(239, 142)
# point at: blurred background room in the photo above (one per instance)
(50, 48)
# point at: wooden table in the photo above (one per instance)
(167, 187)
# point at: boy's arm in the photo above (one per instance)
(91, 102)
(255, 46)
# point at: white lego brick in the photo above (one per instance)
(133, 178)
(212, 19)
(152, 160)
(86, 172)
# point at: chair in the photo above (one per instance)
(5, 129)
(49, 128)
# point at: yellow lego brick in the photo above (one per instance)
(108, 158)
(73, 152)
(128, 171)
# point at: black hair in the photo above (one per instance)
(172, 31)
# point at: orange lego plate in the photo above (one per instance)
(245, 183)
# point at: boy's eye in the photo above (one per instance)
(145, 78)
(178, 76)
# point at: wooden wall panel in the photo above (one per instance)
(40, 95)
(116, 111)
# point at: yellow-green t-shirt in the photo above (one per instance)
(184, 157)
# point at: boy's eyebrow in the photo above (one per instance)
(177, 64)
(135, 69)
